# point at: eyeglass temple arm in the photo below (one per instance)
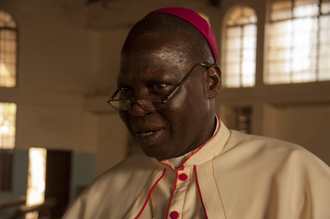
(185, 78)
(115, 94)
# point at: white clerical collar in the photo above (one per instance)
(177, 161)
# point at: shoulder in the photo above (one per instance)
(131, 167)
(288, 179)
(261, 144)
(136, 162)
(239, 138)
(270, 151)
(112, 193)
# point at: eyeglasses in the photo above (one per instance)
(150, 104)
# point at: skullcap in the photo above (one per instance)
(197, 21)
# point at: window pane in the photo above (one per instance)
(241, 16)
(324, 49)
(248, 73)
(324, 62)
(232, 68)
(249, 36)
(232, 76)
(324, 74)
(277, 79)
(324, 22)
(7, 125)
(280, 41)
(305, 25)
(248, 68)
(279, 54)
(249, 42)
(281, 10)
(280, 27)
(280, 67)
(248, 80)
(233, 55)
(324, 67)
(303, 56)
(234, 31)
(249, 55)
(250, 29)
(325, 7)
(232, 81)
(324, 32)
(304, 76)
(234, 43)
(306, 10)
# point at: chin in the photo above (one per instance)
(157, 153)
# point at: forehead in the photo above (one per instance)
(153, 58)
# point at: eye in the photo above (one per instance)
(159, 86)
(124, 90)
(125, 93)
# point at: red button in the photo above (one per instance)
(183, 177)
(174, 214)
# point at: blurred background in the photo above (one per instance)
(58, 65)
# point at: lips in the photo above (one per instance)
(149, 132)
(149, 137)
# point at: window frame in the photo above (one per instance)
(242, 49)
(267, 61)
(15, 30)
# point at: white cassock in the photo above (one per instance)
(232, 176)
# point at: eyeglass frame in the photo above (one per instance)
(208, 66)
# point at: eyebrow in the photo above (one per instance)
(168, 77)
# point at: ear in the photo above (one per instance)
(213, 81)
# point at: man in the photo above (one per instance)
(192, 165)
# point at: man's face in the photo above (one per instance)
(152, 69)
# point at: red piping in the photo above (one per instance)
(175, 184)
(150, 194)
(199, 190)
(204, 142)
(167, 165)
(184, 200)
(145, 184)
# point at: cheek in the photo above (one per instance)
(188, 99)
(188, 107)
(180, 110)
(178, 101)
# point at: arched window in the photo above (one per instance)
(298, 42)
(8, 50)
(240, 53)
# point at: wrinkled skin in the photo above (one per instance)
(187, 120)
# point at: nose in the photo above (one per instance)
(141, 105)
(137, 110)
